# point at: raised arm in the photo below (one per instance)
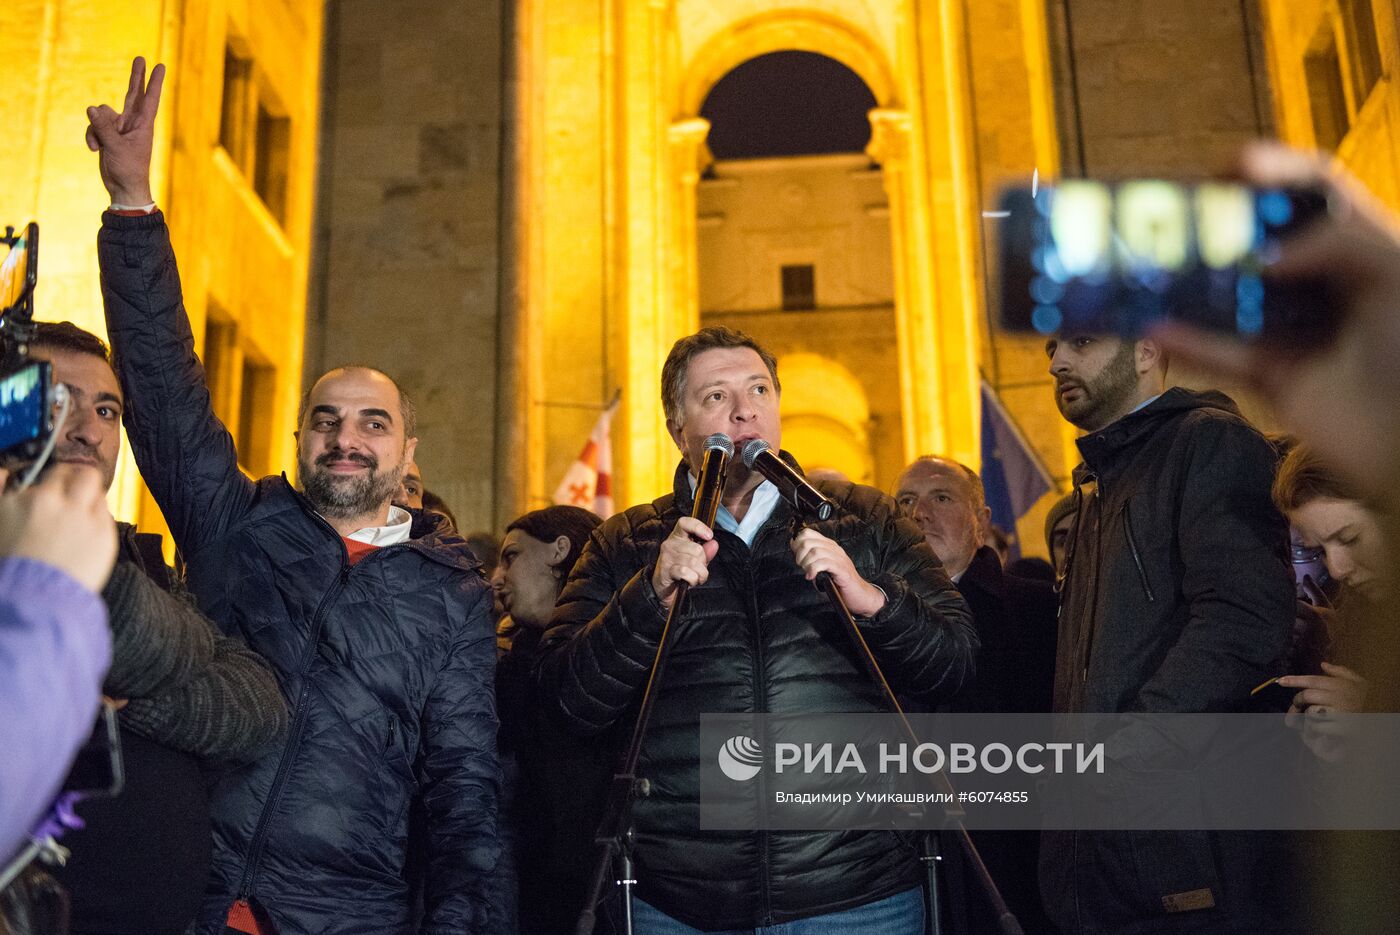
(185, 454)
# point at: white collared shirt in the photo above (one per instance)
(1145, 403)
(394, 532)
(765, 498)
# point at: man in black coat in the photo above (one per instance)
(757, 637)
(1178, 598)
(1015, 622)
(375, 618)
(1014, 617)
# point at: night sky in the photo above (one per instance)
(788, 104)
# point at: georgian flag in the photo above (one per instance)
(588, 481)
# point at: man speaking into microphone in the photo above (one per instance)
(755, 636)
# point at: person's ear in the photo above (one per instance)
(561, 549)
(984, 522)
(1149, 356)
(410, 448)
(674, 428)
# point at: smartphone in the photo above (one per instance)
(26, 411)
(19, 273)
(98, 769)
(1094, 257)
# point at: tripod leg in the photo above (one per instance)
(626, 880)
(930, 857)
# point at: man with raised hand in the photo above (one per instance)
(375, 619)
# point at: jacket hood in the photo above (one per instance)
(1132, 429)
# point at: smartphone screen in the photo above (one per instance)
(25, 413)
(1112, 258)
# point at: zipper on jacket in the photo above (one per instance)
(245, 885)
(1137, 557)
(761, 703)
(1089, 633)
(299, 713)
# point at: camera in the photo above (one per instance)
(26, 385)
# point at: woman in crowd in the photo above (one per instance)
(1328, 512)
(560, 781)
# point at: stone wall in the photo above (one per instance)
(408, 224)
(1158, 86)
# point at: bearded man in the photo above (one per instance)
(376, 619)
(1176, 597)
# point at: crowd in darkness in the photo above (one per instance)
(341, 715)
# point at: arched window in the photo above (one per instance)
(788, 104)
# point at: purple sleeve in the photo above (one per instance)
(54, 650)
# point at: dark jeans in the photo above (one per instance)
(900, 914)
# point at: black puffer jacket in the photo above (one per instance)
(388, 666)
(757, 637)
(1178, 598)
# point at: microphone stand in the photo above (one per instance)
(616, 835)
(930, 855)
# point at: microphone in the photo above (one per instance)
(806, 499)
(718, 450)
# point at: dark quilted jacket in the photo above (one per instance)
(388, 666)
(758, 637)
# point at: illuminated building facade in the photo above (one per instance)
(234, 168)
(519, 206)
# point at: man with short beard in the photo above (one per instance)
(376, 621)
(1176, 598)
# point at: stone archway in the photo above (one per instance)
(606, 238)
(919, 138)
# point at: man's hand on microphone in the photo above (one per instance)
(685, 556)
(816, 553)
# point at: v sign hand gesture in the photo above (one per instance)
(124, 140)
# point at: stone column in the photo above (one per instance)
(687, 137)
(939, 334)
(920, 368)
(646, 300)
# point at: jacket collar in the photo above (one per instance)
(432, 535)
(1100, 449)
(984, 573)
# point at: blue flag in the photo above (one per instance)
(1012, 473)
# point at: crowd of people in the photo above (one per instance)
(341, 715)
